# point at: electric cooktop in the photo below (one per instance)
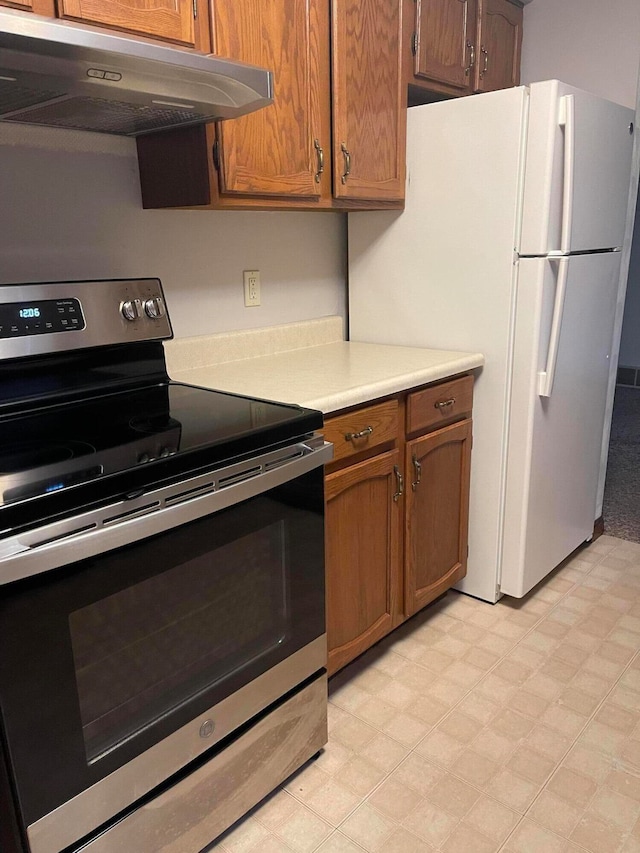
(88, 411)
(66, 445)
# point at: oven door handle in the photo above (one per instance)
(96, 532)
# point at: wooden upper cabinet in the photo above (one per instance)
(40, 7)
(500, 41)
(280, 150)
(284, 156)
(456, 47)
(170, 20)
(443, 44)
(369, 118)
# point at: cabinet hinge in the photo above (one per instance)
(414, 44)
(195, 8)
(215, 154)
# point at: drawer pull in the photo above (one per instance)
(397, 495)
(442, 404)
(354, 436)
(418, 469)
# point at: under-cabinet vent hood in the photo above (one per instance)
(61, 74)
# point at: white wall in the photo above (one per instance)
(70, 208)
(591, 44)
(595, 46)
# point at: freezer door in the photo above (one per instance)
(555, 428)
(577, 171)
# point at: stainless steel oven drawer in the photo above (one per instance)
(191, 814)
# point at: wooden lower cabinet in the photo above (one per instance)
(437, 513)
(397, 506)
(364, 555)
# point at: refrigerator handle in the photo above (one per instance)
(546, 377)
(566, 119)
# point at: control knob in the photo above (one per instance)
(153, 308)
(129, 310)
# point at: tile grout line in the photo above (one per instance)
(412, 749)
(470, 690)
(526, 814)
(542, 617)
(565, 754)
(336, 830)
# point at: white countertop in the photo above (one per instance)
(326, 376)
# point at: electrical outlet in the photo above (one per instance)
(251, 288)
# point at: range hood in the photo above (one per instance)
(62, 74)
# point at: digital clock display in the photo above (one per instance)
(27, 313)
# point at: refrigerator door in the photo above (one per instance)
(440, 275)
(578, 166)
(555, 428)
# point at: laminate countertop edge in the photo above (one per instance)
(329, 377)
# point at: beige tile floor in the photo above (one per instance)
(476, 728)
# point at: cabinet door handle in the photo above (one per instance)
(215, 155)
(418, 469)
(400, 481)
(320, 156)
(443, 404)
(354, 436)
(485, 66)
(472, 58)
(347, 163)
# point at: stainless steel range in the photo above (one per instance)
(162, 632)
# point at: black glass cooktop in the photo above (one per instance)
(122, 441)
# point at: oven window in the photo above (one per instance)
(141, 652)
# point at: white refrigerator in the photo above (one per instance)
(509, 244)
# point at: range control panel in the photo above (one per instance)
(40, 317)
(53, 317)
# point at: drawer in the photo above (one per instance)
(362, 429)
(440, 404)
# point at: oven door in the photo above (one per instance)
(123, 661)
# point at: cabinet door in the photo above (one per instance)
(172, 20)
(369, 115)
(280, 150)
(40, 7)
(444, 42)
(437, 468)
(499, 40)
(363, 523)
